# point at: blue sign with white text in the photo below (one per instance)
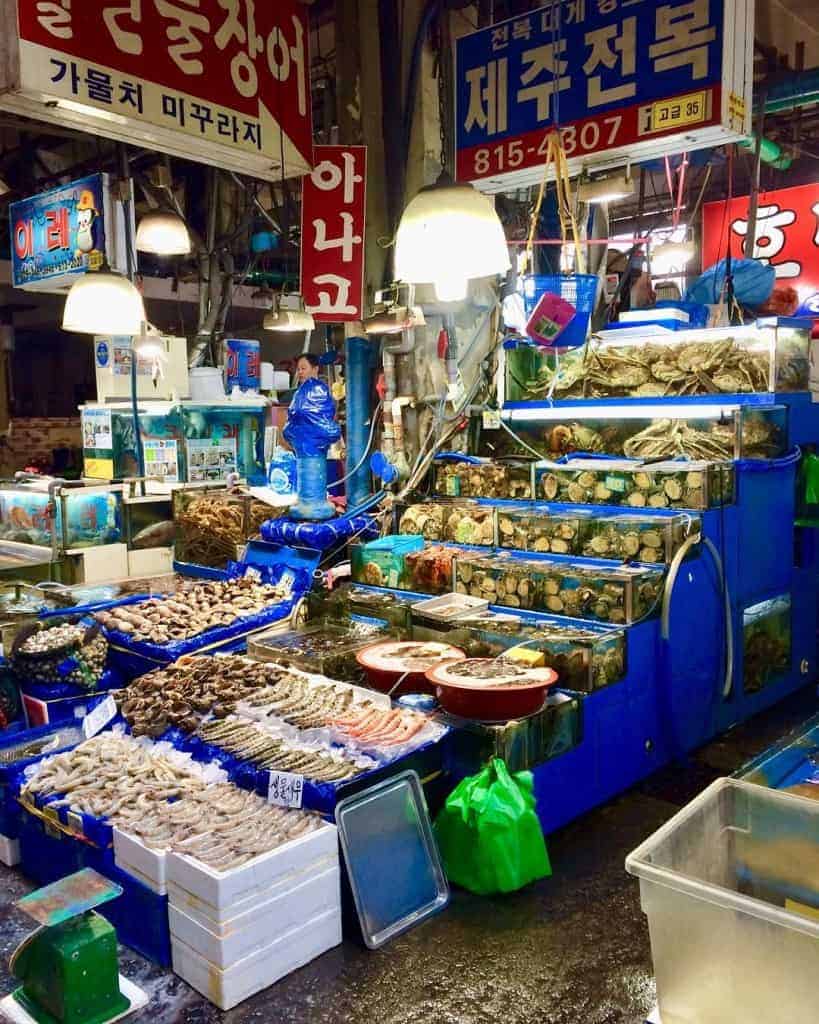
(58, 232)
(608, 73)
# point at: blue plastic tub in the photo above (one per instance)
(579, 289)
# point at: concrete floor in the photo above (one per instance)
(571, 950)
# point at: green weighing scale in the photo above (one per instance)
(68, 966)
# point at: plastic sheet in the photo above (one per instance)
(753, 283)
(311, 424)
(319, 535)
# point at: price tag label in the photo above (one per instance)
(491, 419)
(285, 789)
(615, 483)
(97, 719)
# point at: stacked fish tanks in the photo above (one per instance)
(183, 442)
(633, 529)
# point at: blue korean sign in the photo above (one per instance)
(623, 78)
(58, 233)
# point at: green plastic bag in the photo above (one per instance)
(489, 834)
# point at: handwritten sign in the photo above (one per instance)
(95, 721)
(285, 789)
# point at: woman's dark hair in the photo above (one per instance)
(311, 358)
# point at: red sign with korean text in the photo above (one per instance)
(787, 237)
(333, 217)
(224, 71)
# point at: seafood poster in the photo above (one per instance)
(210, 459)
(162, 459)
(97, 430)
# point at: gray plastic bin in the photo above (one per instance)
(730, 887)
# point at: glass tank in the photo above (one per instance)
(213, 524)
(328, 650)
(769, 356)
(707, 431)
(431, 571)
(766, 642)
(459, 522)
(483, 478)
(694, 485)
(184, 442)
(585, 658)
(618, 594)
(643, 538)
(80, 517)
(542, 529)
(342, 602)
(383, 563)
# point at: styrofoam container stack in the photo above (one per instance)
(9, 851)
(234, 933)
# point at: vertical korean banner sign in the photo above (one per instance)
(228, 73)
(787, 237)
(333, 216)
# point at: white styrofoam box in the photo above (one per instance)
(243, 935)
(9, 851)
(636, 316)
(150, 562)
(267, 965)
(222, 888)
(215, 918)
(106, 562)
(145, 864)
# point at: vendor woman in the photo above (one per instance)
(307, 367)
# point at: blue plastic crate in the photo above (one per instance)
(579, 289)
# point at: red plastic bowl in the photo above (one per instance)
(387, 661)
(490, 701)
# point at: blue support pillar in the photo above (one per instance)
(358, 352)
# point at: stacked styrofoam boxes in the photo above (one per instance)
(235, 932)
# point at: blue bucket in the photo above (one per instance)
(579, 289)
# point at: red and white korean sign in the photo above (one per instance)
(216, 80)
(333, 217)
(787, 237)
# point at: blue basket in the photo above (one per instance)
(579, 289)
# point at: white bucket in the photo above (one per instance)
(206, 383)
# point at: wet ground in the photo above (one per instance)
(571, 950)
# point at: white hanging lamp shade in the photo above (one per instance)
(102, 302)
(163, 233)
(289, 315)
(448, 235)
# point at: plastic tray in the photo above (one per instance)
(392, 860)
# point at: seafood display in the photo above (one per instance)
(431, 570)
(65, 737)
(251, 741)
(50, 651)
(328, 650)
(482, 478)
(185, 692)
(467, 523)
(622, 594)
(197, 608)
(220, 826)
(707, 433)
(585, 658)
(540, 529)
(383, 563)
(80, 517)
(722, 361)
(377, 726)
(213, 525)
(694, 485)
(164, 799)
(766, 642)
